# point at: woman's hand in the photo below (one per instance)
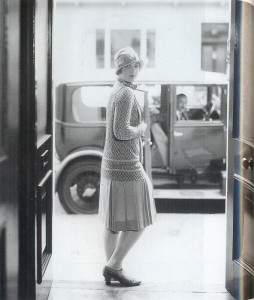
(143, 127)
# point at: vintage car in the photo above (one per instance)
(184, 151)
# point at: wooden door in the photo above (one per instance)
(43, 139)
(25, 172)
(240, 200)
(35, 148)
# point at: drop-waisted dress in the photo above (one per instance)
(126, 195)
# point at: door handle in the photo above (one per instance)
(247, 163)
(149, 142)
(177, 133)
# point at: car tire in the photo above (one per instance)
(79, 186)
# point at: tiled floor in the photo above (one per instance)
(181, 257)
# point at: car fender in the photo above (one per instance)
(72, 157)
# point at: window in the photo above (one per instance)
(199, 102)
(100, 48)
(150, 48)
(143, 42)
(89, 103)
(124, 38)
(214, 47)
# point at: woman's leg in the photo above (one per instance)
(110, 242)
(124, 244)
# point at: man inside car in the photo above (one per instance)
(181, 113)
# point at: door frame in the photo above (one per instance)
(27, 152)
(239, 282)
(44, 157)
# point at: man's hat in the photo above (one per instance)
(126, 56)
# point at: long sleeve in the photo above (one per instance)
(122, 114)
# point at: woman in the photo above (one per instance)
(126, 199)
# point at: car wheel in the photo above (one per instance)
(79, 187)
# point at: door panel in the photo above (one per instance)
(44, 205)
(243, 243)
(196, 144)
(240, 208)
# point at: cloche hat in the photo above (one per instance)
(125, 57)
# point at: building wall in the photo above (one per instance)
(178, 36)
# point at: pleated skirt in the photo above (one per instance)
(126, 205)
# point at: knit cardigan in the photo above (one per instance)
(122, 156)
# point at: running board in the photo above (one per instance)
(189, 194)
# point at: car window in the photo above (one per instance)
(198, 103)
(89, 103)
(154, 93)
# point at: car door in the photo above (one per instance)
(142, 97)
(240, 200)
(198, 133)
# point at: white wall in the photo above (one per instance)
(178, 36)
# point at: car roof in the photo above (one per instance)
(190, 78)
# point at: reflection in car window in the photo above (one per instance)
(201, 103)
(89, 103)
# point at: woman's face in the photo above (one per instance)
(130, 72)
